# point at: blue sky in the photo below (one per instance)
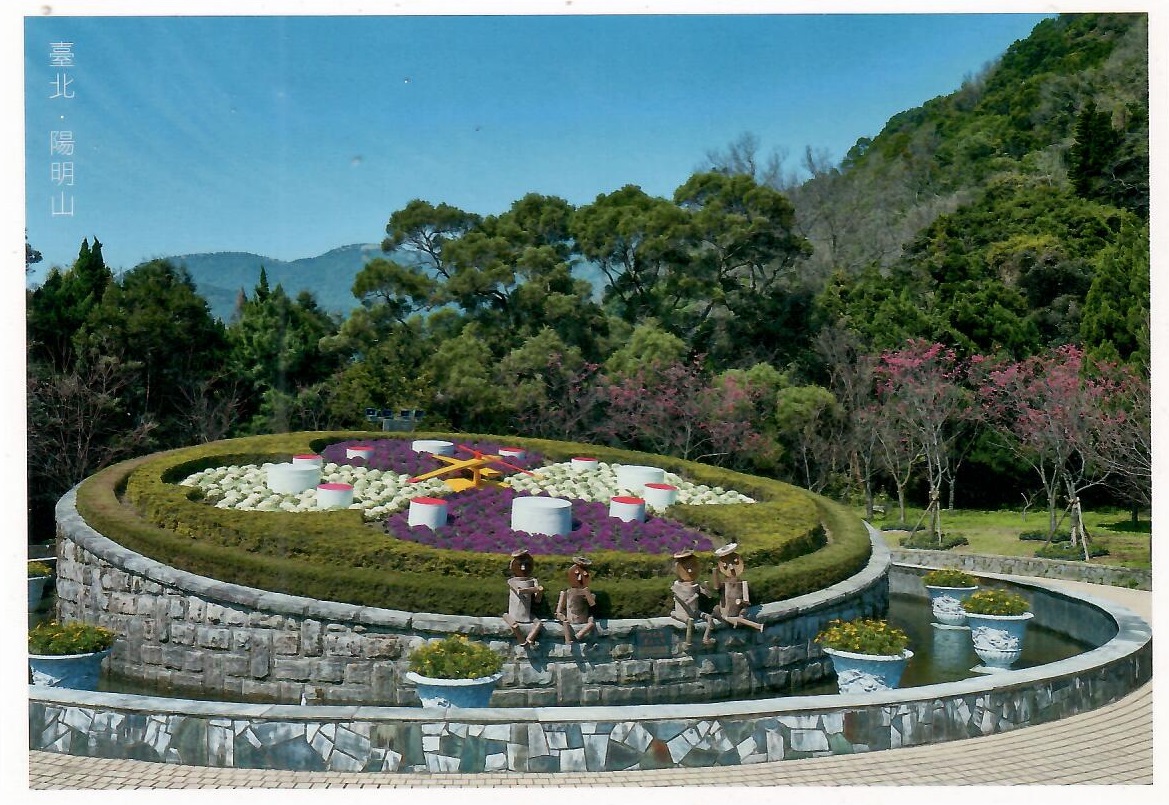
(289, 136)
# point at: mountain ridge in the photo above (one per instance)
(220, 276)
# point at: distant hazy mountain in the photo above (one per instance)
(219, 276)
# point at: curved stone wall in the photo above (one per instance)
(226, 640)
(565, 739)
(1088, 572)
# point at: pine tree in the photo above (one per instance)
(1093, 152)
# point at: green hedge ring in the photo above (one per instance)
(792, 542)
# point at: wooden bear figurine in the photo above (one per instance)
(687, 590)
(734, 594)
(523, 592)
(572, 610)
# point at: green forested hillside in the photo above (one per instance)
(867, 327)
(992, 205)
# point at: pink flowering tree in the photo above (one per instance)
(676, 410)
(923, 399)
(1057, 418)
(1126, 444)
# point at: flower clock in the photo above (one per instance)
(478, 519)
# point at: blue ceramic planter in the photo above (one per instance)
(946, 604)
(36, 591)
(867, 673)
(455, 692)
(79, 671)
(998, 639)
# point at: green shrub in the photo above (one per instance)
(864, 636)
(53, 638)
(996, 602)
(39, 570)
(1068, 552)
(792, 542)
(1041, 536)
(455, 657)
(948, 577)
(922, 540)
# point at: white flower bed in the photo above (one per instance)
(597, 486)
(378, 493)
(375, 492)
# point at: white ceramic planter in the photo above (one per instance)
(430, 512)
(308, 458)
(540, 515)
(627, 509)
(584, 464)
(334, 496)
(659, 496)
(512, 453)
(292, 479)
(633, 477)
(435, 446)
(363, 451)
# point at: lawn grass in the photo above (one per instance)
(997, 532)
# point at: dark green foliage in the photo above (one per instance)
(59, 308)
(1066, 551)
(335, 556)
(1115, 320)
(1094, 150)
(1007, 272)
(924, 541)
(275, 350)
(153, 317)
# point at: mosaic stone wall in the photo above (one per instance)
(588, 739)
(531, 739)
(201, 636)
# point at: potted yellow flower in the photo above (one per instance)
(947, 590)
(867, 654)
(39, 574)
(455, 672)
(68, 655)
(998, 623)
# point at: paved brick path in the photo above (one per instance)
(1109, 746)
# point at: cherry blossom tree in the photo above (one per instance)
(1126, 447)
(676, 410)
(1057, 418)
(923, 396)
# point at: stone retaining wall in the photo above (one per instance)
(203, 636)
(399, 739)
(1031, 566)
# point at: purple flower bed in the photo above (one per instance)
(396, 455)
(480, 520)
